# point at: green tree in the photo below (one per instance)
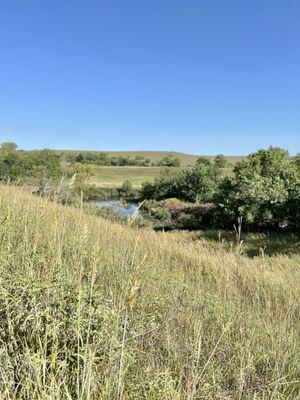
(297, 160)
(203, 161)
(83, 173)
(36, 165)
(170, 161)
(220, 161)
(196, 184)
(165, 186)
(126, 189)
(261, 188)
(199, 183)
(9, 147)
(10, 166)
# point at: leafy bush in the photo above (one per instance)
(126, 189)
(162, 214)
(196, 184)
(177, 214)
(297, 160)
(199, 183)
(120, 161)
(220, 161)
(170, 161)
(19, 165)
(264, 190)
(203, 160)
(165, 186)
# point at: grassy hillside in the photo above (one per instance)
(186, 159)
(95, 310)
(156, 156)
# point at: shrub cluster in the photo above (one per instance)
(105, 160)
(264, 189)
(197, 184)
(17, 165)
(176, 214)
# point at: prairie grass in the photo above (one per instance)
(114, 177)
(91, 309)
(254, 243)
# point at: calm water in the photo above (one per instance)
(123, 209)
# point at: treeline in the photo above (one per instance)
(264, 190)
(19, 165)
(120, 161)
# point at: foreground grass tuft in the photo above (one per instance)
(95, 310)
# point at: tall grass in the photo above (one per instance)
(95, 310)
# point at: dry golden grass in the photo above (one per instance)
(95, 310)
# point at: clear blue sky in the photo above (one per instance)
(200, 76)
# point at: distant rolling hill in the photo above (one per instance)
(114, 176)
(186, 159)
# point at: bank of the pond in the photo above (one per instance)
(123, 208)
(167, 214)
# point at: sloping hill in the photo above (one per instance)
(186, 159)
(95, 310)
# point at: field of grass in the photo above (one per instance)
(112, 176)
(254, 244)
(91, 309)
(115, 176)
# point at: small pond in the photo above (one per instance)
(124, 209)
